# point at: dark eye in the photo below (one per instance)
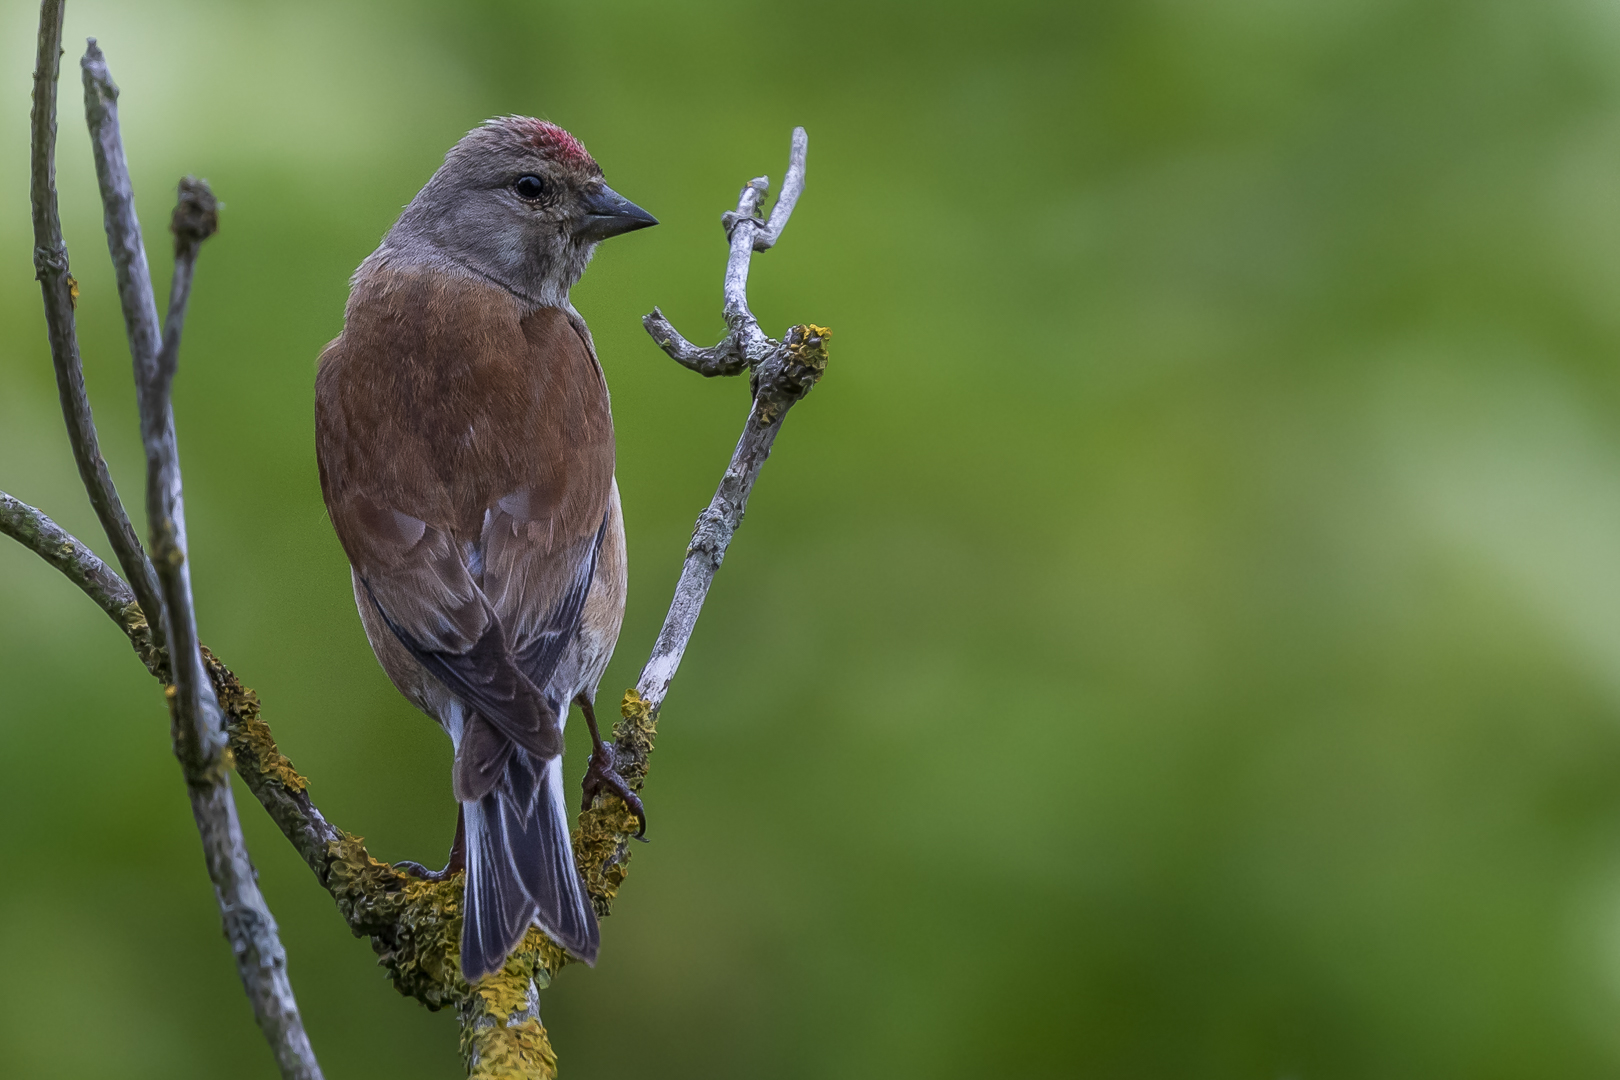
(529, 187)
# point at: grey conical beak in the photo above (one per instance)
(607, 213)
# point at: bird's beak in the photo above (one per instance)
(607, 213)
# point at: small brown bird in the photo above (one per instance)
(466, 455)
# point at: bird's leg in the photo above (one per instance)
(458, 855)
(601, 773)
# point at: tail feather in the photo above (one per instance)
(562, 909)
(520, 869)
(495, 909)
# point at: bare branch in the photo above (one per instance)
(741, 226)
(783, 372)
(197, 726)
(792, 188)
(118, 204)
(745, 346)
(785, 377)
(60, 294)
(721, 359)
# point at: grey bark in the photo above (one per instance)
(783, 372)
(745, 345)
(57, 546)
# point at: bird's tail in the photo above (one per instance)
(520, 869)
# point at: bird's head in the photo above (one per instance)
(517, 201)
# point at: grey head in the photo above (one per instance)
(518, 202)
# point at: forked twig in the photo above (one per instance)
(745, 345)
(782, 373)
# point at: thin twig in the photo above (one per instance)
(792, 188)
(197, 726)
(60, 294)
(199, 734)
(200, 737)
(56, 545)
(785, 377)
(118, 205)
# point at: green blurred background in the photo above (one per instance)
(1181, 638)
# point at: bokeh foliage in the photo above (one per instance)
(1181, 637)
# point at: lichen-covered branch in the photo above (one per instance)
(61, 295)
(415, 926)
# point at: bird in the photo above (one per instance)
(464, 436)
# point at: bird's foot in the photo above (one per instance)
(417, 870)
(601, 774)
(458, 856)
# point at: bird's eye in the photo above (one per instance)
(530, 187)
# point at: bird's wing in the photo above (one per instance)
(540, 595)
(425, 593)
(540, 542)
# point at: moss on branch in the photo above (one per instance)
(602, 841)
(415, 925)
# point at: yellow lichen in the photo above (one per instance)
(804, 362)
(805, 346)
(415, 925)
(133, 620)
(500, 1038)
(250, 736)
(635, 733)
(516, 1051)
(602, 841)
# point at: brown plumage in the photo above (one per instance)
(466, 454)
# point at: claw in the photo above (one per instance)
(417, 870)
(458, 856)
(601, 774)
